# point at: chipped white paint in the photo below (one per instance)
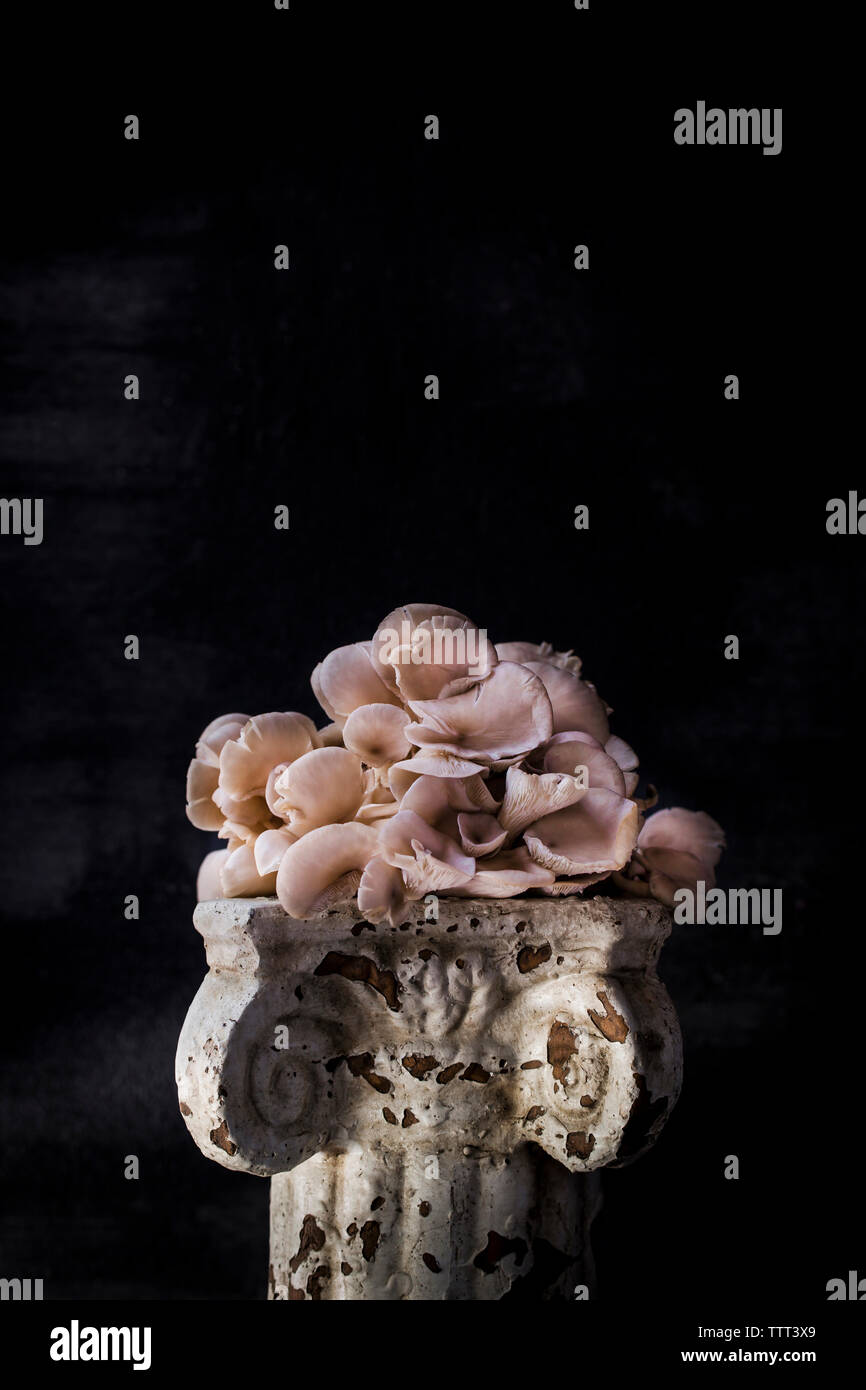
(430, 1101)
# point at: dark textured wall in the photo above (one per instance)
(306, 388)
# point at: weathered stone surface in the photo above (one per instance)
(422, 1096)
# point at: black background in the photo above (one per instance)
(558, 387)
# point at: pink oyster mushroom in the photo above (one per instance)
(449, 766)
(675, 849)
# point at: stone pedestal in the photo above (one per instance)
(431, 1102)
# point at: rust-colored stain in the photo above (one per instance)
(580, 1144)
(612, 1025)
(316, 1280)
(560, 959)
(220, 1137)
(521, 926)
(561, 1046)
(587, 1102)
(449, 1073)
(184, 1108)
(362, 1065)
(496, 1249)
(376, 1203)
(425, 953)
(352, 1231)
(533, 1114)
(312, 1237)
(345, 1267)
(530, 1066)
(369, 1239)
(296, 1295)
(432, 1263)
(364, 971)
(419, 1066)
(424, 1208)
(409, 1119)
(530, 957)
(475, 1072)
(389, 1115)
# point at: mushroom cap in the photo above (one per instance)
(506, 874)
(324, 868)
(576, 705)
(270, 847)
(430, 763)
(627, 759)
(202, 779)
(538, 651)
(210, 742)
(347, 679)
(423, 650)
(382, 894)
(264, 741)
(433, 798)
(505, 715)
(480, 833)
(331, 735)
(240, 878)
(530, 796)
(596, 834)
(429, 860)
(322, 787)
(568, 751)
(680, 848)
(376, 733)
(207, 884)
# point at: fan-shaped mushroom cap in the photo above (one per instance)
(218, 732)
(324, 868)
(331, 735)
(423, 651)
(249, 811)
(429, 860)
(508, 873)
(320, 788)
(207, 884)
(680, 848)
(347, 679)
(382, 894)
(529, 796)
(269, 849)
(596, 834)
(434, 797)
(538, 651)
(505, 715)
(202, 775)
(264, 741)
(480, 834)
(433, 763)
(566, 752)
(377, 734)
(240, 877)
(202, 780)
(628, 760)
(576, 705)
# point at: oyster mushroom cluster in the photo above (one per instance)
(450, 766)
